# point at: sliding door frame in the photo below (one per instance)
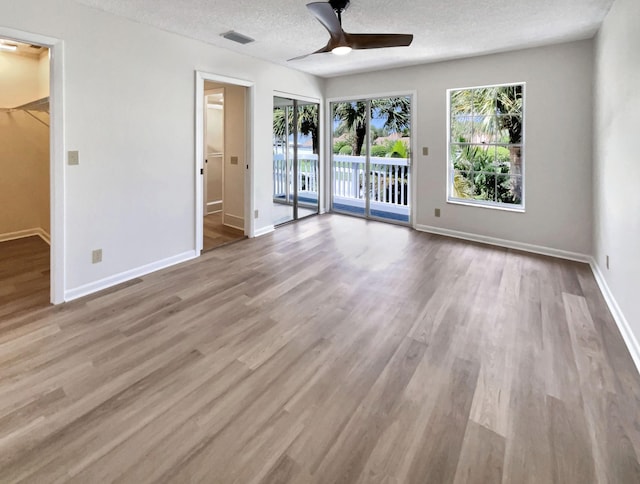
(413, 165)
(297, 99)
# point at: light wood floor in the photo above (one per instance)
(24, 276)
(216, 234)
(333, 350)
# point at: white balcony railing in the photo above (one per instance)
(389, 187)
(389, 181)
(283, 177)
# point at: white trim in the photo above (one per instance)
(21, 234)
(297, 97)
(482, 203)
(200, 78)
(125, 276)
(618, 316)
(413, 148)
(233, 221)
(413, 168)
(264, 230)
(42, 233)
(364, 97)
(57, 151)
(509, 244)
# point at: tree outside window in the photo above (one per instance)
(486, 153)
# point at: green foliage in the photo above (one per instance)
(397, 149)
(352, 118)
(483, 173)
(378, 150)
(346, 150)
(376, 132)
(308, 120)
(337, 146)
(462, 187)
(482, 119)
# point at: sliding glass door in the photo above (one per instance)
(371, 158)
(295, 159)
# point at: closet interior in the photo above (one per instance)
(25, 180)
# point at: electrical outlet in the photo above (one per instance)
(256, 213)
(73, 158)
(234, 160)
(96, 256)
(436, 212)
(607, 262)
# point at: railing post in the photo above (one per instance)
(356, 180)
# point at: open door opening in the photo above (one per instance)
(25, 164)
(296, 163)
(224, 164)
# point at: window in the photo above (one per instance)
(486, 151)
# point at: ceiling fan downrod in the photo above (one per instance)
(339, 6)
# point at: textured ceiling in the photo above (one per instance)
(442, 29)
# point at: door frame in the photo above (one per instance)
(57, 167)
(207, 93)
(322, 207)
(413, 94)
(249, 153)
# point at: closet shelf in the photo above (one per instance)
(41, 105)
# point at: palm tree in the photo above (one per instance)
(307, 123)
(497, 111)
(353, 117)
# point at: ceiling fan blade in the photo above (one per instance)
(377, 41)
(326, 48)
(323, 11)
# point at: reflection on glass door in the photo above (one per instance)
(295, 159)
(371, 158)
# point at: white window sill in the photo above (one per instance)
(504, 208)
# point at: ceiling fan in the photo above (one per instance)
(329, 14)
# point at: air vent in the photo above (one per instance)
(236, 37)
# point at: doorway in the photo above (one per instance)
(296, 166)
(224, 160)
(25, 162)
(371, 158)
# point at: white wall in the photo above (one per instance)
(616, 160)
(558, 155)
(129, 110)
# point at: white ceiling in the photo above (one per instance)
(445, 29)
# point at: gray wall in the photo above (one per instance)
(616, 181)
(558, 152)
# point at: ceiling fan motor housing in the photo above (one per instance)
(339, 5)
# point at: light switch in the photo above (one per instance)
(74, 158)
(234, 160)
(425, 151)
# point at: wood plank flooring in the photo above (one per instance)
(24, 276)
(333, 350)
(216, 234)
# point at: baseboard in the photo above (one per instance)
(21, 234)
(264, 230)
(214, 207)
(233, 221)
(623, 325)
(110, 281)
(44, 235)
(509, 244)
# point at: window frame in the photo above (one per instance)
(487, 203)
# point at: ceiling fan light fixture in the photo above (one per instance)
(341, 50)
